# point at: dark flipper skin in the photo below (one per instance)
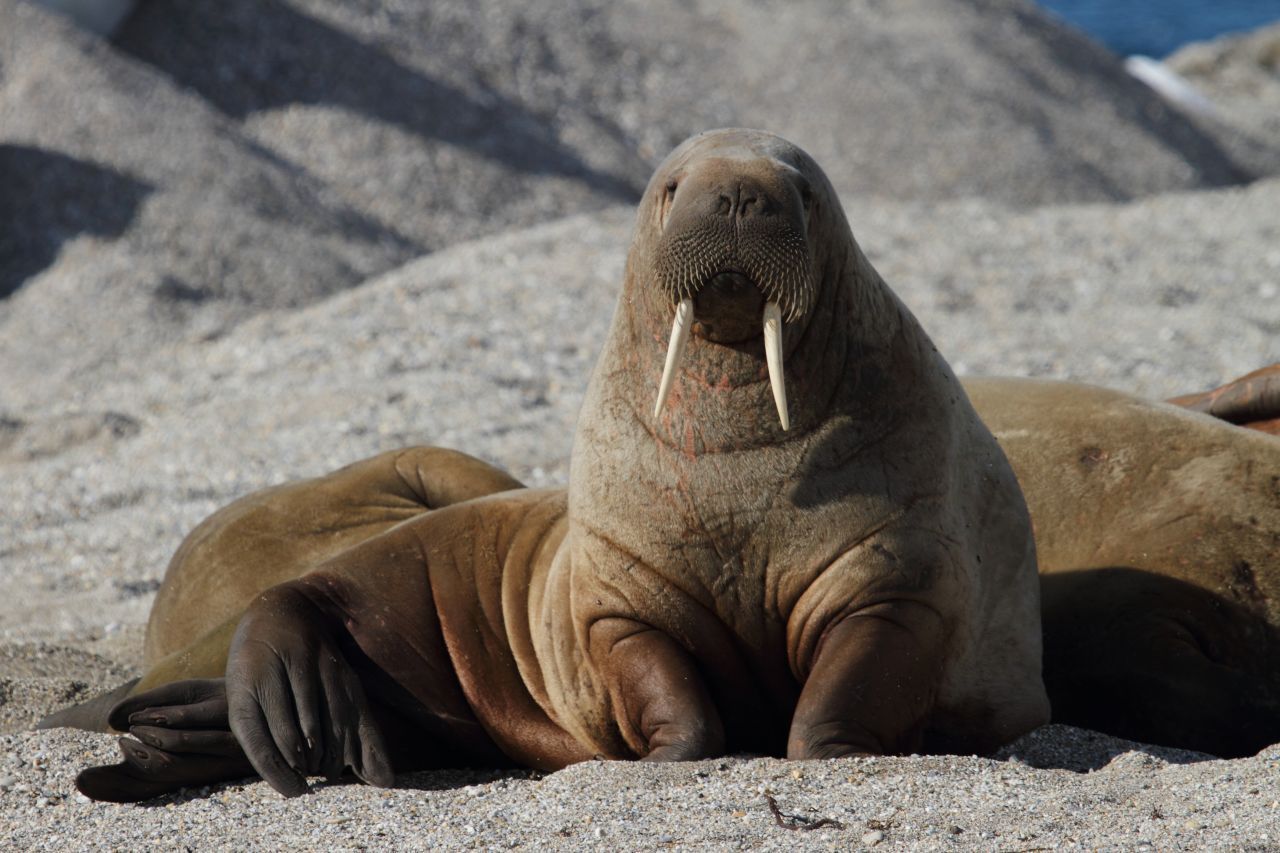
(181, 738)
(1251, 401)
(289, 697)
(294, 702)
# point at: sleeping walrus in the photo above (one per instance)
(1158, 536)
(811, 546)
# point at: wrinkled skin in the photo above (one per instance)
(860, 583)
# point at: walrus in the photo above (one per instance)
(1158, 539)
(811, 545)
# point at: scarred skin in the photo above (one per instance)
(862, 583)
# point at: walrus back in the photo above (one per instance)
(273, 536)
(281, 533)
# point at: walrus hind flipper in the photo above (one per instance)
(91, 715)
(1251, 401)
(182, 740)
(147, 772)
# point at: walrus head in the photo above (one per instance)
(739, 236)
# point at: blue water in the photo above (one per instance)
(1158, 27)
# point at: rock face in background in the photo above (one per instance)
(217, 158)
(1241, 76)
(96, 16)
(920, 99)
(133, 212)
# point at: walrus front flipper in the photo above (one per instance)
(1251, 401)
(295, 704)
(183, 740)
(90, 715)
(663, 707)
(871, 685)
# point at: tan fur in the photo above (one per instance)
(281, 533)
(1115, 480)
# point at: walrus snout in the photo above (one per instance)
(748, 217)
(733, 254)
(745, 198)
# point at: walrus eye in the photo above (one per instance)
(806, 196)
(668, 196)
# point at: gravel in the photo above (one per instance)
(1131, 797)
(120, 429)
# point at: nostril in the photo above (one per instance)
(724, 206)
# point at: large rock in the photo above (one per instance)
(98, 16)
(131, 212)
(1240, 75)
(222, 157)
(403, 104)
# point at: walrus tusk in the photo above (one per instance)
(773, 356)
(675, 350)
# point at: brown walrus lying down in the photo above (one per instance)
(812, 547)
(1158, 536)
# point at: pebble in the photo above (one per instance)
(871, 839)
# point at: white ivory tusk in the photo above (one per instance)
(675, 350)
(773, 356)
